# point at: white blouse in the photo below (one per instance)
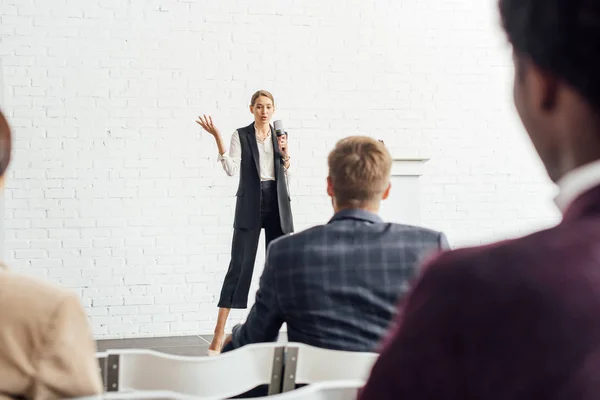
(231, 160)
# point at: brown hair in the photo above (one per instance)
(359, 169)
(264, 93)
(5, 144)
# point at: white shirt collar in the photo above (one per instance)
(577, 182)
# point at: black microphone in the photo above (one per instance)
(278, 125)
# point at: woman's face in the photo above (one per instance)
(263, 110)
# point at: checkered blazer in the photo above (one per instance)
(337, 285)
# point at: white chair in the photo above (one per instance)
(338, 390)
(334, 390)
(306, 364)
(143, 395)
(226, 375)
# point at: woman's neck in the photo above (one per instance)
(262, 128)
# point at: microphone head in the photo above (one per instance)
(278, 125)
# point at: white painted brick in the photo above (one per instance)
(15, 224)
(155, 329)
(31, 233)
(138, 280)
(166, 318)
(107, 281)
(108, 158)
(168, 299)
(124, 329)
(139, 300)
(101, 237)
(46, 264)
(91, 252)
(71, 273)
(200, 296)
(64, 233)
(99, 329)
(18, 244)
(137, 319)
(73, 283)
(140, 242)
(196, 316)
(45, 244)
(26, 194)
(154, 310)
(76, 243)
(107, 301)
(46, 223)
(59, 193)
(183, 308)
(76, 262)
(198, 277)
(123, 310)
(89, 291)
(79, 223)
(97, 311)
(184, 326)
(153, 290)
(111, 223)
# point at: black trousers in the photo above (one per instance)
(234, 293)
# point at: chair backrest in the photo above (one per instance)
(334, 390)
(227, 375)
(144, 395)
(306, 364)
(338, 390)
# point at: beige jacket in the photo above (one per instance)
(46, 345)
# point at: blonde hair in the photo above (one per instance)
(259, 93)
(359, 169)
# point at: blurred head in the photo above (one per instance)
(262, 105)
(359, 173)
(557, 77)
(5, 147)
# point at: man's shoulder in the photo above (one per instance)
(413, 230)
(293, 240)
(318, 233)
(518, 254)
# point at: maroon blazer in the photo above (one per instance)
(516, 320)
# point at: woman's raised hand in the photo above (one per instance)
(206, 123)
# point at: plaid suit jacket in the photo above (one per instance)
(337, 285)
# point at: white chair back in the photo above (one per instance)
(306, 364)
(339, 390)
(336, 390)
(143, 395)
(227, 375)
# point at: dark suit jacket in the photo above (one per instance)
(337, 285)
(247, 208)
(516, 320)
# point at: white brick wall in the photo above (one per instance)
(115, 192)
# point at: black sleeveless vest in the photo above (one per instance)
(247, 208)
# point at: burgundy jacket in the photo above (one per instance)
(516, 320)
